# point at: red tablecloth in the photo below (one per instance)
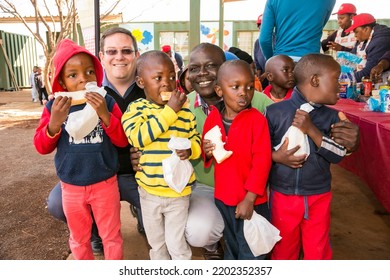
(371, 162)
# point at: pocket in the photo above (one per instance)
(142, 192)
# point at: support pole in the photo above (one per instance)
(194, 35)
(97, 27)
(221, 24)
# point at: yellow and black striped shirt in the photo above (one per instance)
(149, 127)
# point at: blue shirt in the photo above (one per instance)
(297, 24)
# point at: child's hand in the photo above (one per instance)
(59, 113)
(287, 157)
(135, 155)
(177, 100)
(183, 154)
(244, 209)
(208, 148)
(302, 121)
(98, 102)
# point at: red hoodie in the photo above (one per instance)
(94, 158)
(65, 50)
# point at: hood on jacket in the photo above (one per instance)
(65, 50)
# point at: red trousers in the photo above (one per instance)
(304, 223)
(101, 199)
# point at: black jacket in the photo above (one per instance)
(124, 153)
(314, 176)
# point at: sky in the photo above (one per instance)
(178, 10)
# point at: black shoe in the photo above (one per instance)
(217, 254)
(134, 213)
(133, 210)
(97, 246)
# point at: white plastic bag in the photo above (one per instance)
(260, 234)
(215, 136)
(177, 172)
(83, 122)
(296, 137)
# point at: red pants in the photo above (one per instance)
(103, 199)
(304, 222)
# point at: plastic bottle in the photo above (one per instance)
(347, 83)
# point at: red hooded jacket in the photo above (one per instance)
(94, 158)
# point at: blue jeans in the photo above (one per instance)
(236, 247)
(128, 191)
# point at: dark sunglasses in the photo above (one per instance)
(123, 51)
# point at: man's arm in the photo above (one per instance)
(266, 31)
(383, 65)
(346, 134)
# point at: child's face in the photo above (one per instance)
(236, 86)
(158, 75)
(185, 83)
(281, 73)
(202, 70)
(328, 85)
(77, 71)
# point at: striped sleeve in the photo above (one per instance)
(331, 151)
(144, 123)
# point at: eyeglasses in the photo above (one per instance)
(123, 51)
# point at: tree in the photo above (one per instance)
(66, 17)
(61, 12)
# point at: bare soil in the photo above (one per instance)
(360, 225)
(27, 231)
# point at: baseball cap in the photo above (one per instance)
(230, 56)
(259, 19)
(360, 20)
(243, 55)
(346, 8)
(166, 48)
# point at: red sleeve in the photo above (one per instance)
(43, 143)
(115, 130)
(256, 181)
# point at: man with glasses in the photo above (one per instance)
(118, 55)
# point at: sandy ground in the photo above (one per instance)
(360, 226)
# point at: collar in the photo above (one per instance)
(220, 106)
(107, 83)
(267, 91)
(199, 102)
(298, 98)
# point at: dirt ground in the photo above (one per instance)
(360, 225)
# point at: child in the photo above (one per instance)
(184, 83)
(241, 179)
(87, 168)
(149, 123)
(300, 195)
(279, 71)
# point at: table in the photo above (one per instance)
(371, 162)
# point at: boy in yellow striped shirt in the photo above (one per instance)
(149, 124)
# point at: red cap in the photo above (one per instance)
(166, 48)
(259, 19)
(360, 20)
(346, 8)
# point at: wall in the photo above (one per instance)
(22, 54)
